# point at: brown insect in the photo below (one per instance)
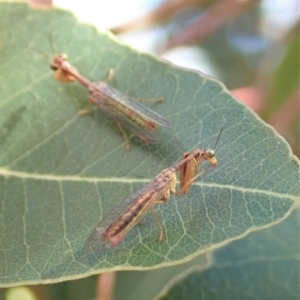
(129, 212)
(137, 118)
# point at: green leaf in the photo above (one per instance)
(60, 173)
(265, 265)
(135, 285)
(286, 79)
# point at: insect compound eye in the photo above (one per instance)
(210, 153)
(64, 56)
(53, 67)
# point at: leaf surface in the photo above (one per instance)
(264, 265)
(60, 173)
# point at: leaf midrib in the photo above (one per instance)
(75, 178)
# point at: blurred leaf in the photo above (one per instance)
(61, 173)
(135, 285)
(265, 265)
(237, 49)
(165, 11)
(286, 79)
(207, 24)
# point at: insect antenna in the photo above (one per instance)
(51, 44)
(218, 138)
(40, 52)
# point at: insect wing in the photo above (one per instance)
(133, 105)
(187, 173)
(139, 119)
(120, 209)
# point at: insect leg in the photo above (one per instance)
(111, 73)
(150, 100)
(161, 234)
(187, 184)
(171, 189)
(124, 135)
(187, 173)
(87, 110)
